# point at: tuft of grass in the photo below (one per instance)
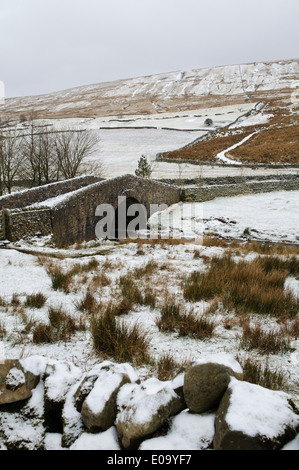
(175, 318)
(60, 280)
(170, 314)
(147, 270)
(35, 300)
(199, 327)
(149, 297)
(2, 330)
(261, 374)
(130, 290)
(168, 368)
(120, 308)
(266, 342)
(100, 280)
(3, 302)
(292, 328)
(88, 303)
(60, 328)
(113, 338)
(246, 286)
(15, 301)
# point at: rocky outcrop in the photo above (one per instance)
(208, 406)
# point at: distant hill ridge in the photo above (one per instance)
(165, 92)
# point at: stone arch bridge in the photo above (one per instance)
(67, 209)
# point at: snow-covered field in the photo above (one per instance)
(270, 216)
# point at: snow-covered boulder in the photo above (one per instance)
(99, 407)
(16, 383)
(59, 377)
(143, 409)
(251, 417)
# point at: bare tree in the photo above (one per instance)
(71, 148)
(39, 163)
(11, 154)
(40, 156)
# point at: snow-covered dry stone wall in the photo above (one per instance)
(48, 405)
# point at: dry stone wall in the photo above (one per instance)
(207, 406)
(205, 193)
(33, 195)
(72, 217)
(25, 224)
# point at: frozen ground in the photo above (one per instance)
(270, 216)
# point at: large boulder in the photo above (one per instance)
(16, 383)
(204, 386)
(144, 408)
(251, 417)
(99, 390)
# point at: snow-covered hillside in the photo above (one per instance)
(166, 92)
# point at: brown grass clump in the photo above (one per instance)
(35, 300)
(60, 328)
(60, 280)
(246, 286)
(130, 290)
(113, 338)
(2, 330)
(168, 368)
(88, 303)
(261, 374)
(147, 270)
(266, 342)
(175, 318)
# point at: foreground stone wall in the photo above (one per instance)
(74, 218)
(207, 406)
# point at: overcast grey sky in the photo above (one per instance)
(51, 45)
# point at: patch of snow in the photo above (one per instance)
(15, 378)
(292, 445)
(223, 358)
(292, 285)
(60, 377)
(254, 120)
(270, 216)
(187, 432)
(53, 441)
(107, 440)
